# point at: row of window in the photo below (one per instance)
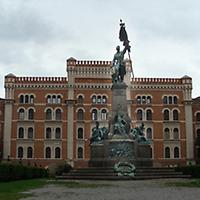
(198, 117)
(54, 99)
(27, 99)
(29, 152)
(22, 134)
(170, 100)
(174, 134)
(147, 114)
(98, 99)
(28, 114)
(168, 153)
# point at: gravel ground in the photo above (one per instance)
(118, 190)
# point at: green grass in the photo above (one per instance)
(12, 190)
(185, 183)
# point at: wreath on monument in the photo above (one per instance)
(125, 169)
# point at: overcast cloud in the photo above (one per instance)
(37, 36)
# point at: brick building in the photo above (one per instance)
(49, 119)
(1, 126)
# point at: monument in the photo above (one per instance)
(120, 145)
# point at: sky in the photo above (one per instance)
(37, 36)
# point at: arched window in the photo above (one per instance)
(94, 114)
(26, 99)
(103, 114)
(198, 117)
(20, 152)
(31, 114)
(175, 100)
(167, 152)
(166, 115)
(31, 99)
(21, 114)
(57, 152)
(80, 133)
(49, 99)
(176, 152)
(80, 99)
(54, 99)
(148, 100)
(139, 100)
(149, 133)
(58, 114)
(80, 152)
(48, 133)
(170, 99)
(166, 134)
(139, 114)
(48, 114)
(99, 99)
(30, 152)
(48, 152)
(165, 100)
(21, 99)
(94, 99)
(143, 99)
(175, 115)
(59, 99)
(176, 134)
(104, 99)
(30, 133)
(149, 114)
(58, 133)
(21, 132)
(80, 115)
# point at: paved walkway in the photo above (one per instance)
(118, 190)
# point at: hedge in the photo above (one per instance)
(193, 170)
(10, 172)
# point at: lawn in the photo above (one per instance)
(184, 183)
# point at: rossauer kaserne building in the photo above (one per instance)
(45, 120)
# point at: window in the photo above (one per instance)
(80, 133)
(143, 99)
(58, 114)
(139, 114)
(21, 114)
(99, 99)
(94, 99)
(165, 100)
(175, 100)
(21, 133)
(57, 152)
(58, 133)
(176, 133)
(166, 115)
(104, 99)
(149, 114)
(176, 152)
(80, 99)
(166, 134)
(167, 152)
(31, 99)
(30, 133)
(48, 99)
(29, 152)
(198, 117)
(149, 133)
(80, 115)
(170, 99)
(148, 100)
(48, 152)
(59, 99)
(94, 114)
(80, 152)
(48, 133)
(104, 114)
(21, 99)
(54, 99)
(26, 98)
(175, 115)
(48, 114)
(139, 101)
(20, 152)
(30, 114)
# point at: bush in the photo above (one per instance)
(60, 169)
(10, 172)
(193, 170)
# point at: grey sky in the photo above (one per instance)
(37, 36)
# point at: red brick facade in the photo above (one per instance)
(51, 118)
